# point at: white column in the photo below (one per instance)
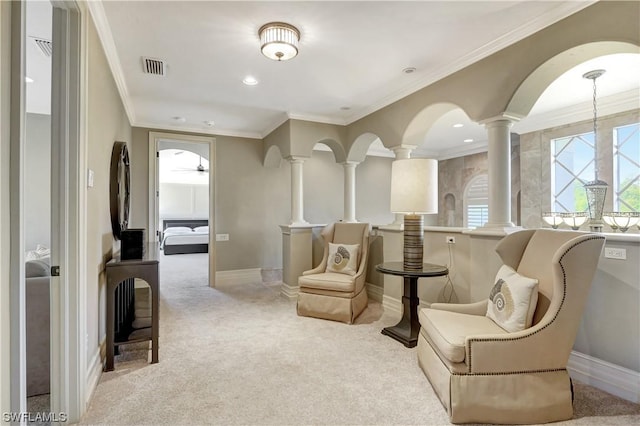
(349, 191)
(402, 152)
(297, 191)
(499, 174)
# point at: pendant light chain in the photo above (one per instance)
(595, 129)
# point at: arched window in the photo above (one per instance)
(476, 202)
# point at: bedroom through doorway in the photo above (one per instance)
(183, 218)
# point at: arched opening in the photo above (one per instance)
(476, 202)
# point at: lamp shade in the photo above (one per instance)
(414, 186)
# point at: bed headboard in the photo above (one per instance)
(191, 223)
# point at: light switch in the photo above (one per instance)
(90, 178)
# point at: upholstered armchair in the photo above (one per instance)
(485, 374)
(335, 289)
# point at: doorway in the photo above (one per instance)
(187, 202)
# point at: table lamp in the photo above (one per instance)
(414, 192)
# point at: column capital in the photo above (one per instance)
(505, 118)
(350, 163)
(296, 159)
(403, 151)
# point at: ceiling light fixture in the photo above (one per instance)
(179, 119)
(209, 123)
(409, 70)
(596, 189)
(250, 81)
(467, 140)
(458, 125)
(279, 41)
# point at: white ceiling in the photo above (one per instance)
(351, 55)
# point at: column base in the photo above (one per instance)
(289, 291)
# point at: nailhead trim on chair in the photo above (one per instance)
(564, 295)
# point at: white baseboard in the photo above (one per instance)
(289, 291)
(239, 276)
(375, 292)
(392, 305)
(94, 372)
(603, 375)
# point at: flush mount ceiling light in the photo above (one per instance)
(279, 41)
(458, 125)
(467, 140)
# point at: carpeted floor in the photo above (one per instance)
(239, 354)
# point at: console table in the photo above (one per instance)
(406, 331)
(121, 304)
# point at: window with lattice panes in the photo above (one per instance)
(572, 165)
(626, 168)
(476, 201)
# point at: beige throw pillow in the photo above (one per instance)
(513, 300)
(343, 258)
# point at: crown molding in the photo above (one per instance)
(204, 131)
(317, 118)
(563, 10)
(108, 44)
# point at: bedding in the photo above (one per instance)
(181, 236)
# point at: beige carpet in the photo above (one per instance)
(239, 354)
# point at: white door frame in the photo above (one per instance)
(68, 207)
(68, 316)
(6, 83)
(154, 185)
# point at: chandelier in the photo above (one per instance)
(279, 41)
(596, 189)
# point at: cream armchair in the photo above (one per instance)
(331, 295)
(484, 374)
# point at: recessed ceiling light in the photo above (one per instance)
(250, 81)
(467, 140)
(409, 70)
(457, 125)
(345, 108)
(179, 119)
(28, 79)
(209, 123)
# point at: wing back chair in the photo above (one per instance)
(331, 295)
(485, 374)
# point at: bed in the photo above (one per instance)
(183, 236)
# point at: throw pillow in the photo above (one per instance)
(513, 300)
(343, 258)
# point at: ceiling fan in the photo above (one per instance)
(199, 168)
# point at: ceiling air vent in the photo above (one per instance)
(154, 66)
(45, 46)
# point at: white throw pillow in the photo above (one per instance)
(201, 229)
(513, 300)
(178, 230)
(343, 258)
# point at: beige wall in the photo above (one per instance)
(107, 122)
(253, 200)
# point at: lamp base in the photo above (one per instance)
(413, 242)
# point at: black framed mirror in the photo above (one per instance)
(119, 186)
